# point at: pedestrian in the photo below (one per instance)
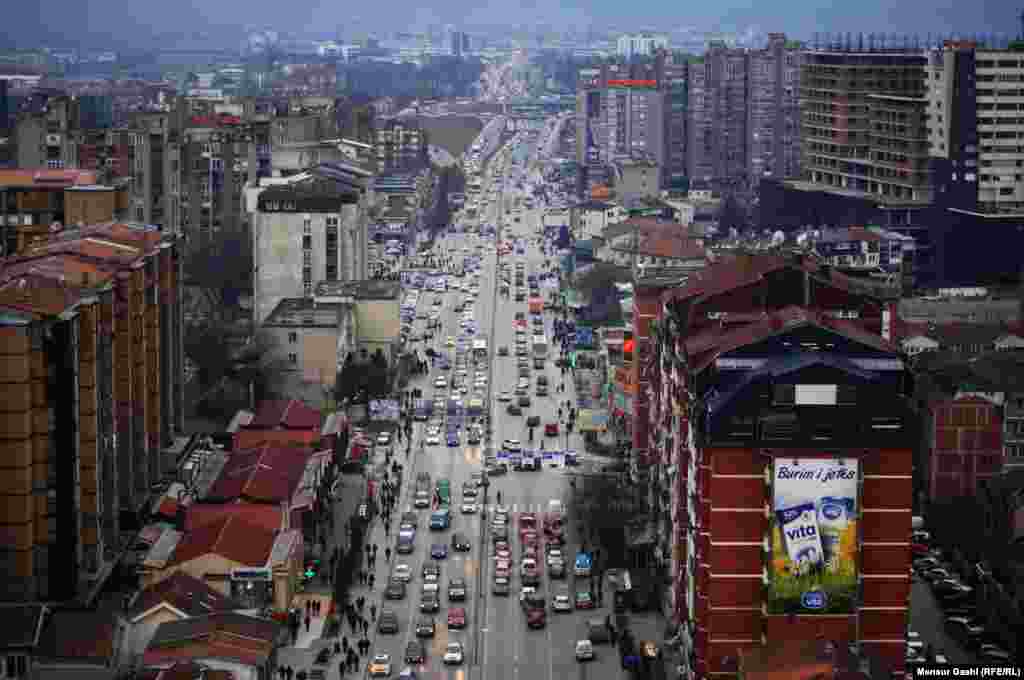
(387, 529)
(289, 672)
(307, 623)
(344, 644)
(373, 612)
(280, 672)
(387, 554)
(366, 626)
(371, 581)
(341, 668)
(309, 605)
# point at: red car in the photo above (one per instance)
(456, 617)
(530, 538)
(536, 618)
(551, 430)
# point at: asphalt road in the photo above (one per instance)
(497, 642)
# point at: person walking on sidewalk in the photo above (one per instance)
(371, 581)
(366, 627)
(373, 612)
(387, 553)
(307, 622)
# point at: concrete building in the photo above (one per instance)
(92, 375)
(376, 305)
(733, 415)
(637, 178)
(673, 81)
(773, 109)
(640, 45)
(401, 146)
(309, 230)
(33, 200)
(48, 137)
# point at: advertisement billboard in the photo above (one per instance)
(814, 536)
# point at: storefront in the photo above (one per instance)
(252, 588)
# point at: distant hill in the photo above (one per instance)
(454, 134)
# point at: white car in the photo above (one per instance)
(380, 667)
(504, 396)
(513, 445)
(468, 508)
(453, 653)
(584, 650)
(562, 603)
(433, 439)
(403, 572)
(430, 587)
(384, 438)
(440, 382)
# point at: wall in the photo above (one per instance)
(91, 207)
(17, 520)
(379, 324)
(967, 447)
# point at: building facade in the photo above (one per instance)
(401, 145)
(308, 231)
(773, 110)
(92, 375)
(640, 45)
(766, 374)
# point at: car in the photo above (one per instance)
(395, 590)
(584, 650)
(468, 507)
(387, 622)
(380, 666)
(514, 410)
(384, 438)
(456, 589)
(457, 617)
(450, 341)
(415, 653)
(551, 430)
(433, 439)
(461, 543)
(453, 438)
(440, 382)
(402, 572)
(499, 533)
(425, 626)
(503, 351)
(584, 599)
(429, 603)
(536, 618)
(439, 551)
(421, 500)
(501, 586)
(431, 571)
(542, 391)
(504, 396)
(440, 519)
(538, 363)
(453, 653)
(556, 569)
(524, 401)
(561, 603)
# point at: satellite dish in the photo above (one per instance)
(778, 238)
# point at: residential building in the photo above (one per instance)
(976, 168)
(773, 109)
(637, 178)
(640, 45)
(672, 79)
(401, 145)
(244, 646)
(965, 443)
(93, 370)
(377, 321)
(856, 249)
(32, 201)
(592, 217)
(760, 365)
(46, 136)
(312, 229)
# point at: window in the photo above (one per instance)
(16, 666)
(293, 358)
(293, 337)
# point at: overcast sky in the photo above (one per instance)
(136, 22)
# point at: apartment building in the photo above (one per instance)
(672, 80)
(773, 110)
(766, 374)
(401, 145)
(91, 371)
(46, 137)
(640, 45)
(309, 230)
(717, 143)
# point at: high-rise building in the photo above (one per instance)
(673, 81)
(92, 374)
(717, 147)
(780, 444)
(773, 110)
(640, 45)
(5, 106)
(401, 145)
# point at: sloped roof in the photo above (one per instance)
(262, 515)
(290, 414)
(230, 537)
(708, 345)
(22, 625)
(231, 636)
(83, 635)
(183, 592)
(267, 474)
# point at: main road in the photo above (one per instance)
(498, 644)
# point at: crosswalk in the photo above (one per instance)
(513, 508)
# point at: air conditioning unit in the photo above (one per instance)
(52, 140)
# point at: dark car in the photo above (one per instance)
(514, 410)
(425, 627)
(461, 543)
(538, 363)
(536, 618)
(395, 590)
(388, 622)
(533, 421)
(584, 599)
(524, 400)
(429, 602)
(457, 589)
(415, 652)
(439, 551)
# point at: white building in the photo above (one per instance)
(310, 230)
(641, 44)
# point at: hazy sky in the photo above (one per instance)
(136, 21)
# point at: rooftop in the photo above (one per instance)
(265, 475)
(287, 414)
(182, 592)
(231, 636)
(46, 179)
(230, 537)
(86, 636)
(303, 312)
(370, 289)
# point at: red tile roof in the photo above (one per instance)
(726, 275)
(230, 537)
(42, 178)
(40, 295)
(258, 514)
(189, 595)
(706, 346)
(265, 475)
(292, 414)
(230, 636)
(203, 649)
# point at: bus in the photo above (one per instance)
(540, 347)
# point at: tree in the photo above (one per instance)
(363, 377)
(228, 362)
(220, 271)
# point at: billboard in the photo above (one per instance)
(814, 536)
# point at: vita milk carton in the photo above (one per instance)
(801, 536)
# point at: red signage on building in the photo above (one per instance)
(632, 82)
